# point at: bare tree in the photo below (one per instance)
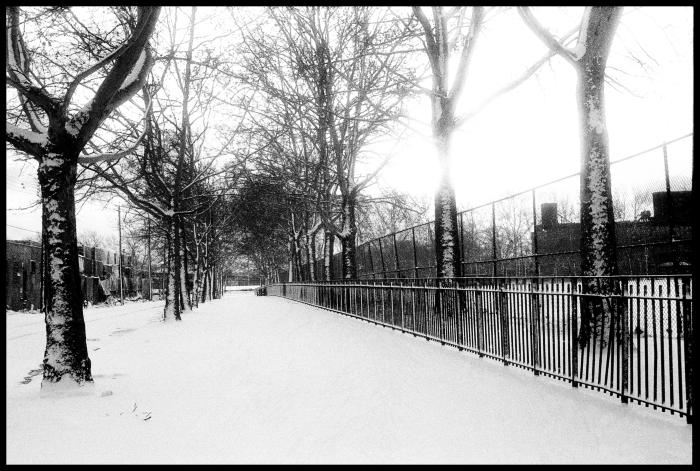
(438, 46)
(331, 71)
(91, 239)
(589, 58)
(47, 129)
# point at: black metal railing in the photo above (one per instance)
(627, 336)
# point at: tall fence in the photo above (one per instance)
(249, 279)
(629, 337)
(536, 232)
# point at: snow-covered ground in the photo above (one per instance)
(249, 379)
(242, 288)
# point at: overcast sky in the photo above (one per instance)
(525, 138)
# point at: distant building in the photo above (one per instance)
(23, 275)
(99, 271)
(653, 244)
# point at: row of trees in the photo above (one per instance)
(113, 103)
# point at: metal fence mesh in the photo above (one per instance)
(536, 232)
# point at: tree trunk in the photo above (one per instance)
(172, 296)
(328, 241)
(198, 268)
(311, 255)
(598, 243)
(66, 355)
(205, 285)
(349, 236)
(298, 261)
(447, 253)
(184, 292)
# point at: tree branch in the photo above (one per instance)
(546, 36)
(474, 29)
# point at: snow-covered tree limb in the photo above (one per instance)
(29, 142)
(89, 71)
(123, 80)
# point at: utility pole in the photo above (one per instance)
(119, 225)
(150, 281)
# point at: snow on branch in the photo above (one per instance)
(31, 142)
(86, 73)
(126, 76)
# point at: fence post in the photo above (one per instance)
(493, 238)
(669, 203)
(574, 332)
(461, 243)
(534, 235)
(535, 326)
(381, 256)
(621, 312)
(687, 316)
(396, 256)
(415, 257)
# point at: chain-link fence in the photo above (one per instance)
(537, 232)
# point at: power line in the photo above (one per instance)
(23, 228)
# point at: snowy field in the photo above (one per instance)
(249, 379)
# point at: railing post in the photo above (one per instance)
(687, 313)
(621, 312)
(574, 332)
(479, 326)
(503, 314)
(284, 289)
(535, 326)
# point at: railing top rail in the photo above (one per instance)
(487, 277)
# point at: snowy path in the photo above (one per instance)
(251, 379)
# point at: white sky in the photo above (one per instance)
(525, 138)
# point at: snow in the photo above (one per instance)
(598, 209)
(249, 379)
(242, 288)
(135, 71)
(52, 160)
(38, 138)
(72, 129)
(580, 50)
(595, 119)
